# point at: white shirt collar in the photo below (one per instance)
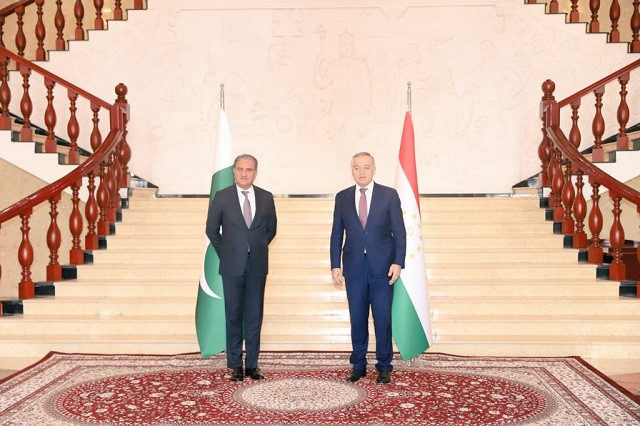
(369, 187)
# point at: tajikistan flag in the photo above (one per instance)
(411, 324)
(210, 317)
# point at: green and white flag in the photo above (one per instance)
(411, 323)
(210, 316)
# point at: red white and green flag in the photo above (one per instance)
(411, 324)
(210, 316)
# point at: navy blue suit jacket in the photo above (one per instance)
(384, 236)
(232, 239)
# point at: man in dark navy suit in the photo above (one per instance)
(241, 223)
(367, 217)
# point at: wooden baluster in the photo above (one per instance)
(2, 31)
(545, 149)
(54, 269)
(96, 138)
(21, 40)
(614, 15)
(553, 6)
(76, 254)
(117, 173)
(598, 128)
(41, 33)
(0, 279)
(73, 130)
(125, 150)
(623, 114)
(594, 252)
(78, 13)
(98, 23)
(635, 28)
(138, 4)
(50, 119)
(26, 288)
(574, 16)
(557, 185)
(5, 94)
(59, 23)
(112, 188)
(594, 25)
(579, 212)
(568, 196)
(102, 197)
(574, 134)
(26, 106)
(125, 156)
(91, 213)
(117, 11)
(617, 270)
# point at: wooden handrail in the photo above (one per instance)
(4, 53)
(599, 83)
(8, 10)
(66, 181)
(595, 173)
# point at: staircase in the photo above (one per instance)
(500, 283)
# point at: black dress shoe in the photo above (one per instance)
(254, 373)
(236, 375)
(383, 377)
(355, 375)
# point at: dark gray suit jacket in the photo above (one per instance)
(230, 236)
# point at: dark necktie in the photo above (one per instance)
(362, 211)
(246, 209)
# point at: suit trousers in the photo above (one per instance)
(362, 292)
(244, 305)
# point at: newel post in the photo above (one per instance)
(544, 149)
(124, 150)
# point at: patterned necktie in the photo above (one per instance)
(246, 209)
(362, 211)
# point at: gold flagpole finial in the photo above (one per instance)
(409, 96)
(222, 95)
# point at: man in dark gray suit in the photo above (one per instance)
(241, 223)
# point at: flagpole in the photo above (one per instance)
(222, 96)
(409, 96)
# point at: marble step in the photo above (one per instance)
(427, 204)
(595, 347)
(185, 305)
(94, 325)
(318, 242)
(176, 216)
(533, 325)
(282, 257)
(322, 289)
(596, 306)
(523, 287)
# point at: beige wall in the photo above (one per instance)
(308, 83)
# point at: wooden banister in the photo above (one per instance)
(557, 150)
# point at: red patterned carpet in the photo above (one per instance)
(309, 389)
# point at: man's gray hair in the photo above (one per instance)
(246, 157)
(363, 154)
